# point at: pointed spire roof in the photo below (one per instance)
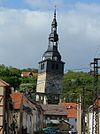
(54, 22)
(52, 51)
(55, 12)
(53, 37)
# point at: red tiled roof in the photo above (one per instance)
(18, 99)
(71, 109)
(26, 74)
(3, 84)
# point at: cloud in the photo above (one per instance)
(81, 26)
(24, 35)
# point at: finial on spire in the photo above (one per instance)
(55, 12)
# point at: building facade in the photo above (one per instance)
(93, 118)
(5, 108)
(53, 114)
(23, 114)
(71, 110)
(28, 117)
(51, 69)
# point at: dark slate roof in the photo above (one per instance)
(51, 109)
(51, 53)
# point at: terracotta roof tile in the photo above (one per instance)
(26, 74)
(18, 99)
(71, 109)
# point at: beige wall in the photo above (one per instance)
(2, 90)
(41, 83)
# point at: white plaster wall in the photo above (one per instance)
(27, 122)
(24, 120)
(90, 122)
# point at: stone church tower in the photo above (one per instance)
(50, 71)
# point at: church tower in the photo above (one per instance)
(50, 71)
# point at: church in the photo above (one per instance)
(50, 70)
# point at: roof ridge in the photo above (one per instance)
(3, 83)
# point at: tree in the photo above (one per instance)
(10, 75)
(73, 84)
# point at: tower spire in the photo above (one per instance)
(53, 36)
(52, 51)
(55, 12)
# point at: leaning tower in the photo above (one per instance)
(51, 70)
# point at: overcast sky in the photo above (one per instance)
(25, 26)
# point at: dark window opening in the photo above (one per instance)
(42, 66)
(53, 66)
(57, 66)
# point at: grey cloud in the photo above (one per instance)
(24, 36)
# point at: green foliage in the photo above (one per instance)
(28, 79)
(75, 84)
(13, 77)
(29, 70)
(28, 83)
(12, 80)
(10, 75)
(52, 99)
(28, 87)
(25, 86)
